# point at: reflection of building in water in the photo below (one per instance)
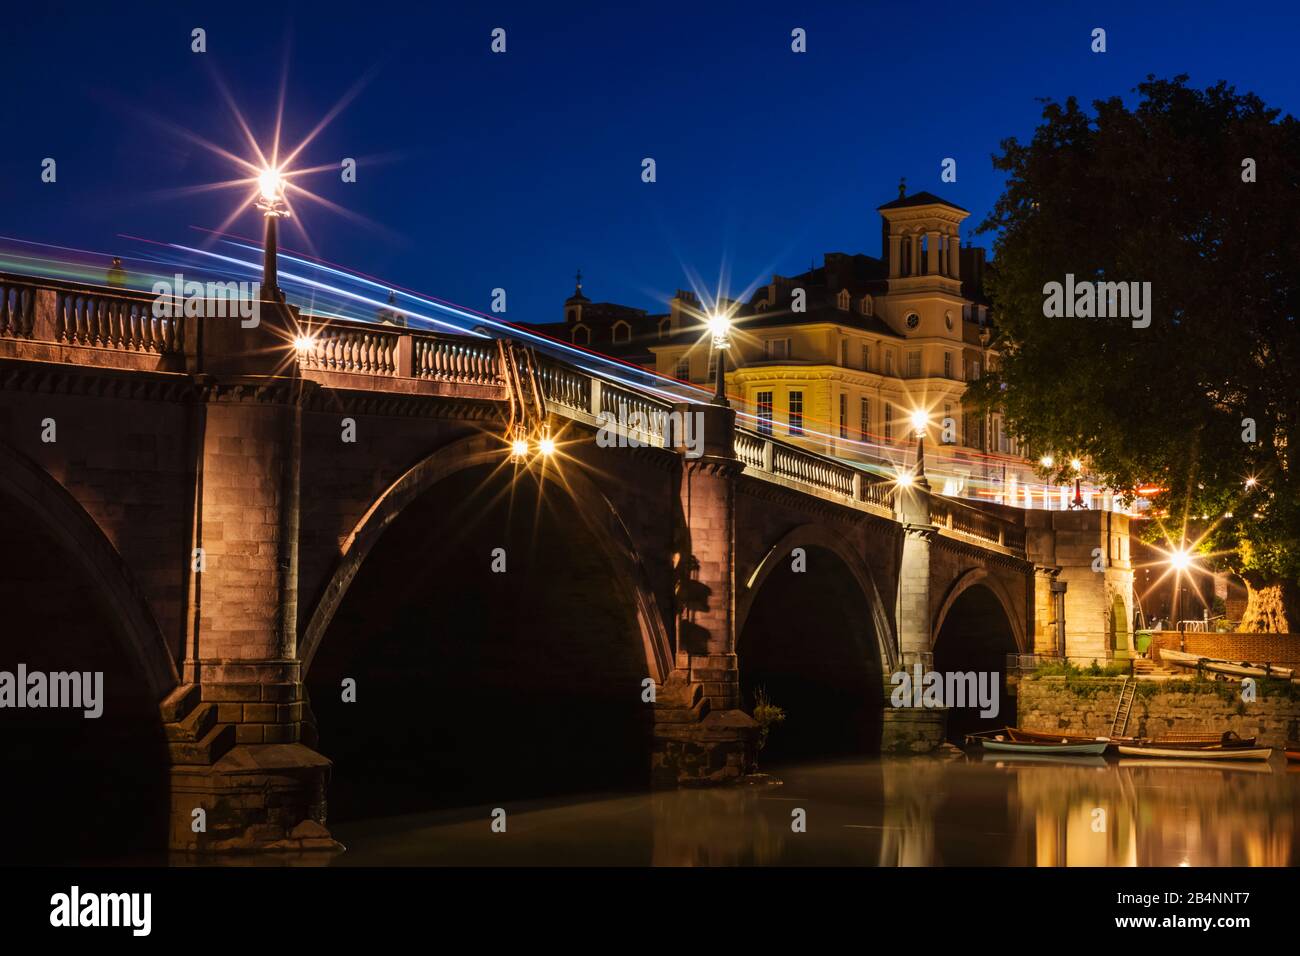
(714, 827)
(1158, 816)
(914, 791)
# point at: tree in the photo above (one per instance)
(1207, 396)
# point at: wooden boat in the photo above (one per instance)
(1233, 669)
(1019, 734)
(1227, 740)
(1196, 753)
(1094, 746)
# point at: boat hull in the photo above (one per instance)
(1035, 747)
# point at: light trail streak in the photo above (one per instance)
(327, 291)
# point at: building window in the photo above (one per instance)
(975, 370)
(913, 320)
(665, 326)
(913, 364)
(764, 413)
(844, 353)
(777, 348)
(949, 426)
(844, 415)
(842, 300)
(573, 315)
(889, 363)
(866, 358)
(947, 365)
(581, 335)
(683, 370)
(796, 413)
(622, 332)
(864, 306)
(889, 422)
(864, 423)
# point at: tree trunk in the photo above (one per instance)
(1272, 607)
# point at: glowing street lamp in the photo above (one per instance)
(546, 444)
(720, 330)
(270, 199)
(920, 419)
(1047, 461)
(1180, 559)
(1077, 466)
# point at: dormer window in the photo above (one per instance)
(864, 305)
(581, 335)
(843, 300)
(622, 332)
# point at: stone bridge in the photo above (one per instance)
(307, 567)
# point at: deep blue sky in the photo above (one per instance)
(514, 170)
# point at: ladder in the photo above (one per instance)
(1124, 707)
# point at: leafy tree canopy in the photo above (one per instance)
(1159, 193)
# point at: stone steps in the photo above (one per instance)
(215, 744)
(195, 726)
(179, 703)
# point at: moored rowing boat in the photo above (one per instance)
(1039, 747)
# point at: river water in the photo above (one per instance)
(962, 810)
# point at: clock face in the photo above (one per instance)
(913, 320)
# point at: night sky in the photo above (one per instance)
(513, 170)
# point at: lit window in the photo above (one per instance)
(947, 365)
(864, 424)
(842, 300)
(683, 370)
(866, 358)
(796, 413)
(844, 415)
(889, 422)
(913, 364)
(764, 413)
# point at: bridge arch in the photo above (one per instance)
(981, 577)
(471, 684)
(599, 516)
(975, 628)
(81, 538)
(820, 536)
(819, 642)
(92, 772)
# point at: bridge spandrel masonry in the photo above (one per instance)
(166, 447)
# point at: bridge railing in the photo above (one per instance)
(360, 348)
(88, 316)
(764, 454)
(970, 522)
(629, 412)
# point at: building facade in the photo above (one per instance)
(839, 357)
